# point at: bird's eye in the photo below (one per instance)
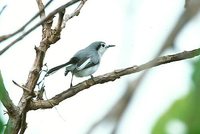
(102, 44)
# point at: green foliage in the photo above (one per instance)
(185, 109)
(1, 116)
(1, 124)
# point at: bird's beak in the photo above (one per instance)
(110, 46)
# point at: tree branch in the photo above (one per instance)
(59, 9)
(12, 110)
(75, 13)
(5, 37)
(49, 36)
(60, 21)
(115, 113)
(44, 104)
(3, 8)
(192, 8)
(17, 122)
(41, 8)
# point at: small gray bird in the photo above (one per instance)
(85, 62)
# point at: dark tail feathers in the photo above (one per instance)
(54, 69)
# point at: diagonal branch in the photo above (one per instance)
(44, 104)
(59, 9)
(3, 8)
(192, 9)
(49, 36)
(75, 13)
(116, 112)
(5, 37)
(41, 8)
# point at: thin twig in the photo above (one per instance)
(54, 107)
(3, 8)
(186, 16)
(115, 113)
(75, 13)
(192, 8)
(41, 8)
(22, 87)
(5, 37)
(18, 122)
(61, 8)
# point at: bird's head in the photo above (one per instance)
(100, 47)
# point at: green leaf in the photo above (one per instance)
(186, 110)
(2, 87)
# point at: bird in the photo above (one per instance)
(85, 62)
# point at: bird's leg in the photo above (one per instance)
(92, 77)
(71, 80)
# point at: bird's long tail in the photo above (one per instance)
(54, 69)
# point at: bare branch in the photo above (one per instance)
(75, 13)
(41, 8)
(44, 104)
(3, 8)
(22, 87)
(192, 8)
(60, 21)
(186, 16)
(5, 37)
(49, 36)
(61, 8)
(114, 115)
(186, 3)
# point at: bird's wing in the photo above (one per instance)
(72, 63)
(85, 59)
(86, 63)
(83, 63)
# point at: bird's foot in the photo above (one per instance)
(92, 77)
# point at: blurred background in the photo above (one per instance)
(164, 100)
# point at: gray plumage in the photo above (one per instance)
(85, 62)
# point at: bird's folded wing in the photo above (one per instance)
(86, 63)
(82, 64)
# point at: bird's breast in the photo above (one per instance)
(87, 72)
